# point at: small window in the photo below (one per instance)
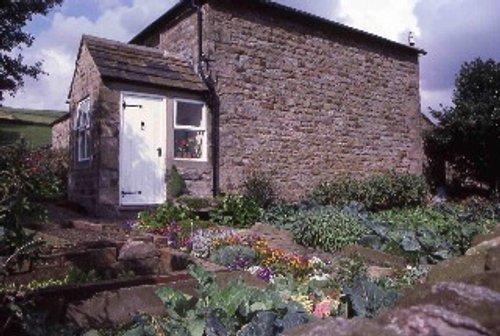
(190, 130)
(82, 129)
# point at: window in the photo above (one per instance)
(82, 129)
(190, 136)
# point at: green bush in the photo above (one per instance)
(176, 185)
(237, 211)
(260, 188)
(164, 215)
(377, 192)
(27, 177)
(282, 216)
(327, 228)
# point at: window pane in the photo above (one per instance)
(188, 144)
(189, 114)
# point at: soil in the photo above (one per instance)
(60, 230)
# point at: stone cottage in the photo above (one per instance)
(224, 88)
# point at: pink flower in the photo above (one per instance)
(323, 308)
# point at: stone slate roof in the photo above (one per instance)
(138, 64)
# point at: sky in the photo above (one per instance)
(451, 31)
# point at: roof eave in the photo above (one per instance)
(184, 5)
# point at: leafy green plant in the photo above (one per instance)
(445, 226)
(367, 298)
(327, 228)
(237, 211)
(260, 188)
(176, 185)
(377, 192)
(283, 216)
(165, 214)
(234, 309)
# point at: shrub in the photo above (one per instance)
(26, 179)
(260, 188)
(237, 211)
(382, 191)
(164, 215)
(327, 228)
(282, 216)
(176, 185)
(234, 256)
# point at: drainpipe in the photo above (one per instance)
(213, 103)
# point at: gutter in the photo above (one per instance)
(203, 67)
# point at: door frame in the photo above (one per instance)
(163, 99)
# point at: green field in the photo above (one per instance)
(32, 125)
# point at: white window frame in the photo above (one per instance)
(203, 127)
(82, 129)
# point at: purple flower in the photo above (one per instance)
(128, 225)
(239, 263)
(265, 273)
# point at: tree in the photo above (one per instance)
(468, 134)
(14, 14)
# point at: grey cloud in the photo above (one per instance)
(454, 32)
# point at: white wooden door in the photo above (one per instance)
(142, 149)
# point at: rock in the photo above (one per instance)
(487, 236)
(377, 272)
(488, 279)
(493, 259)
(133, 250)
(456, 269)
(140, 257)
(373, 257)
(484, 246)
(340, 327)
(430, 320)
(114, 308)
(478, 303)
(173, 260)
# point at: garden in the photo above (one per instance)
(350, 248)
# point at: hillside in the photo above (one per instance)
(32, 125)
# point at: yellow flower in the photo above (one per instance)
(304, 300)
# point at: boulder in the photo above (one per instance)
(114, 308)
(133, 250)
(487, 236)
(457, 268)
(430, 320)
(484, 246)
(374, 257)
(340, 327)
(377, 272)
(141, 257)
(475, 302)
(492, 262)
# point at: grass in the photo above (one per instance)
(32, 125)
(36, 135)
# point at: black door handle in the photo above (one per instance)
(159, 151)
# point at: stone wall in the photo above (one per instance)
(179, 38)
(303, 101)
(83, 184)
(60, 134)
(308, 103)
